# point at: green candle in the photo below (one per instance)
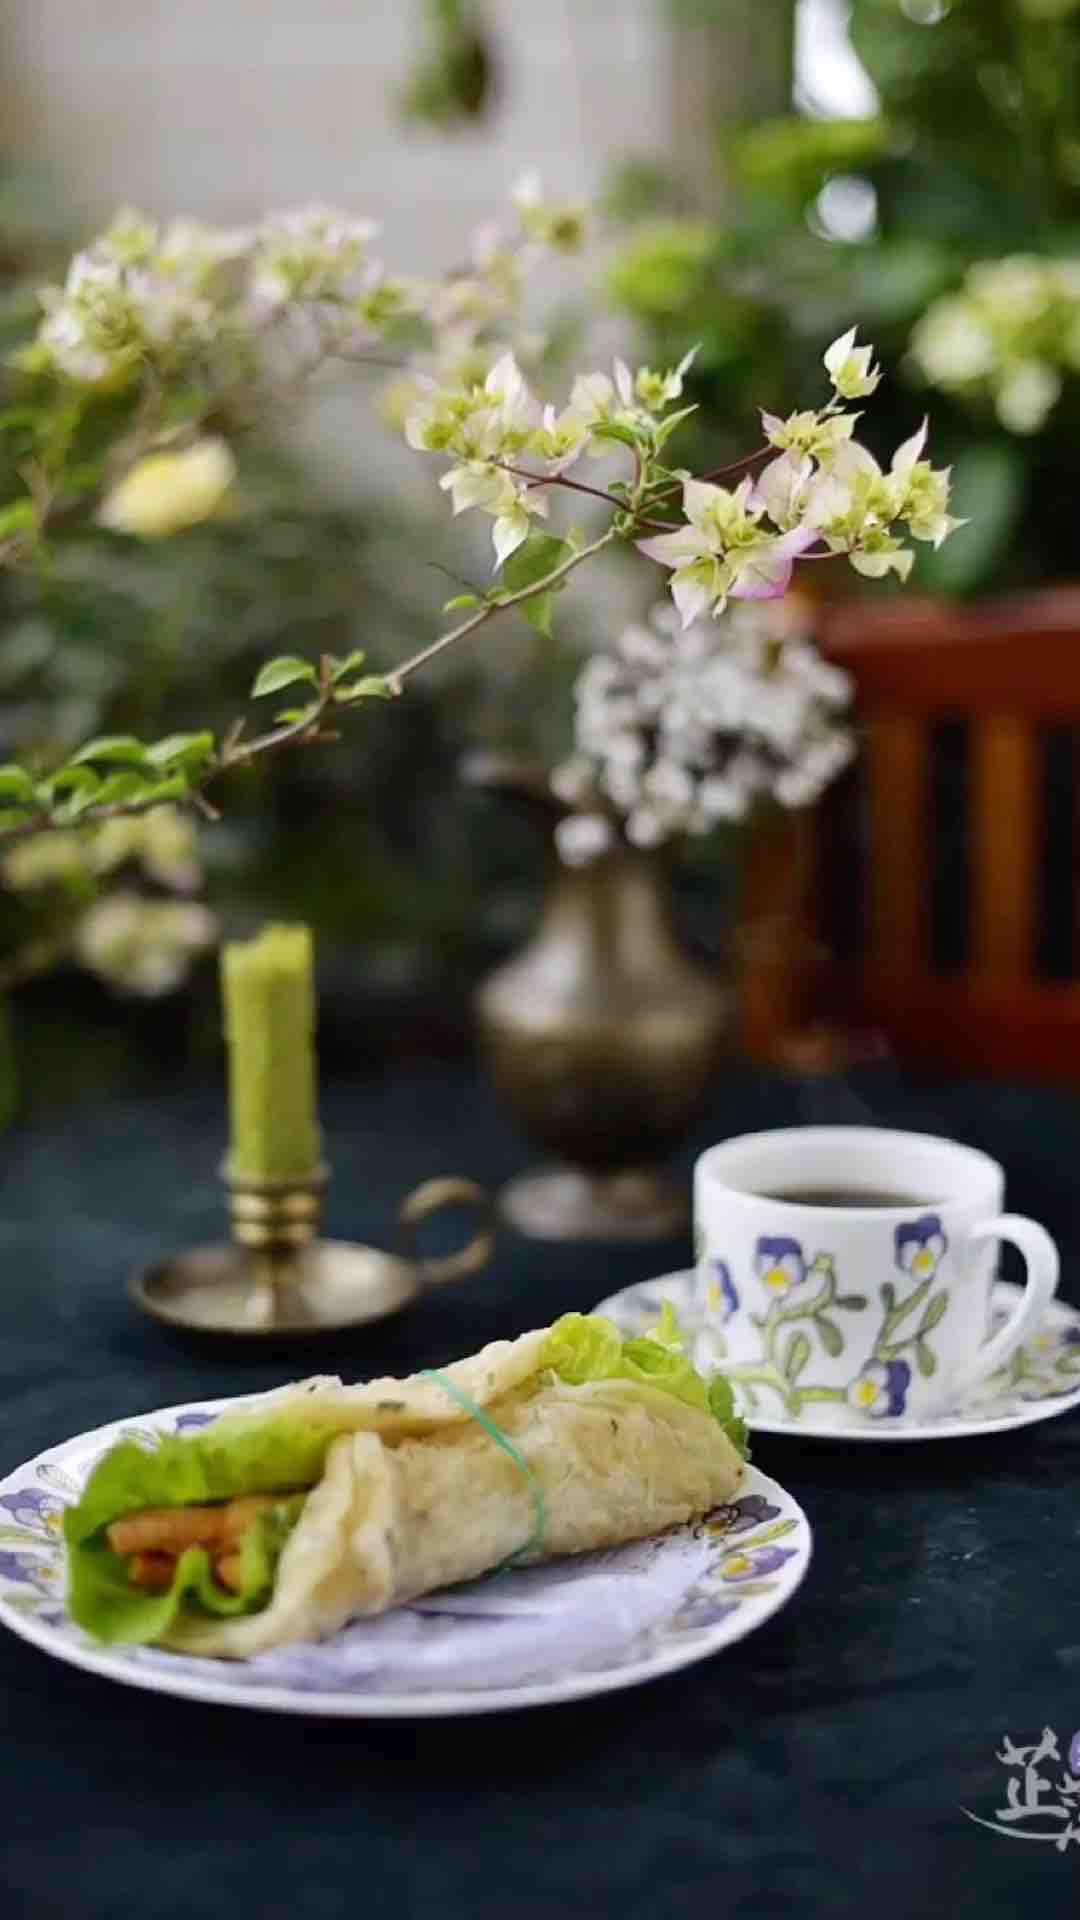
(269, 990)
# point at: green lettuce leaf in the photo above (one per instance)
(585, 1346)
(103, 1600)
(274, 1453)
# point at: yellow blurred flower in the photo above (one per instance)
(166, 492)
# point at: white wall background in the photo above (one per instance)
(225, 107)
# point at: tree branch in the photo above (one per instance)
(552, 579)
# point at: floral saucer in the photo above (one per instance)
(1040, 1381)
(561, 1630)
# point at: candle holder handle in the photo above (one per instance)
(430, 1198)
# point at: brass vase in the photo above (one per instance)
(601, 1035)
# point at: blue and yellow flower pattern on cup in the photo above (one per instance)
(803, 1310)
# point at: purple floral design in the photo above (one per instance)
(880, 1390)
(1074, 1753)
(704, 1610)
(750, 1510)
(1071, 1337)
(921, 1246)
(194, 1419)
(39, 1513)
(754, 1561)
(779, 1264)
(28, 1570)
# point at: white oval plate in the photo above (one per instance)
(1040, 1382)
(560, 1631)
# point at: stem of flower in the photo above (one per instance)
(308, 731)
(718, 473)
(560, 480)
(552, 579)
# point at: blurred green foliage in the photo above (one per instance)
(973, 152)
(372, 839)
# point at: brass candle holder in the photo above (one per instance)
(278, 1276)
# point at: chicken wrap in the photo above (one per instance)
(282, 1521)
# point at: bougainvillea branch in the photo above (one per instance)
(161, 346)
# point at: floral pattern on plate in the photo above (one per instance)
(560, 1630)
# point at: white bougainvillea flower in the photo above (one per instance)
(561, 438)
(782, 488)
(193, 252)
(516, 408)
(166, 492)
(816, 434)
(555, 224)
(762, 570)
(311, 254)
(143, 946)
(593, 397)
(495, 491)
(725, 550)
(657, 390)
(880, 553)
(849, 367)
(511, 529)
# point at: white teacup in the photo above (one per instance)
(852, 1268)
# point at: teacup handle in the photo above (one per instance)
(430, 1197)
(1043, 1267)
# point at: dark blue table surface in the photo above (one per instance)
(818, 1769)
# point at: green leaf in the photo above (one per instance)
(77, 803)
(67, 780)
(540, 554)
(18, 518)
(291, 716)
(285, 671)
(182, 749)
(925, 1359)
(581, 1347)
(374, 686)
(174, 787)
(667, 427)
(721, 1399)
(614, 430)
(112, 749)
(935, 1309)
(350, 663)
(16, 785)
(797, 1355)
(888, 1295)
(109, 1605)
(461, 602)
(539, 613)
(119, 787)
(246, 1452)
(831, 1337)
